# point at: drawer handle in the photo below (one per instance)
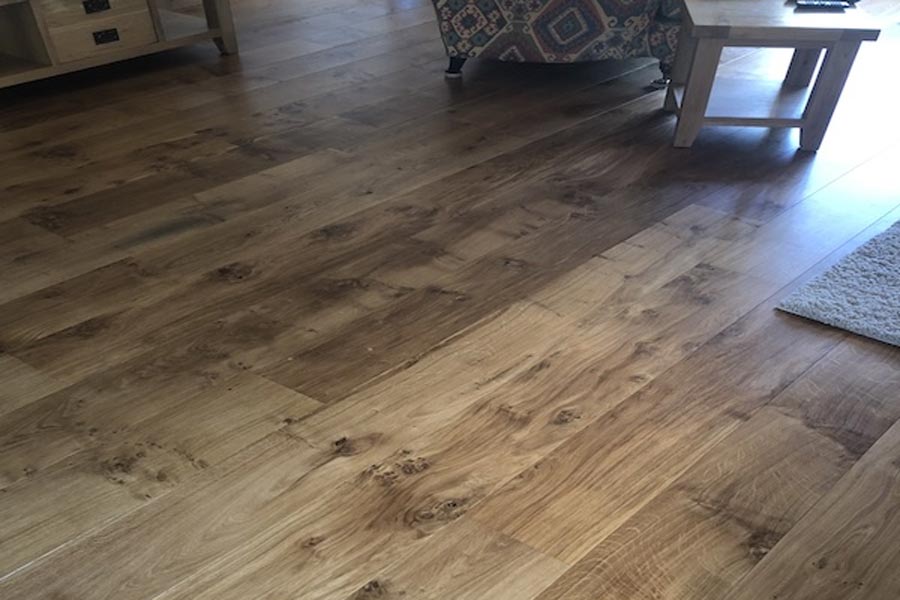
(95, 6)
(106, 36)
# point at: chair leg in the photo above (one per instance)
(454, 70)
(661, 83)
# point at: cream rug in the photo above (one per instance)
(860, 294)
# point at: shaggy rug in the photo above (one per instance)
(861, 293)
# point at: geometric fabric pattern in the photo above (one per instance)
(560, 31)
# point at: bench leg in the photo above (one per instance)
(826, 93)
(803, 65)
(684, 56)
(696, 92)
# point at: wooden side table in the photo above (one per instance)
(699, 98)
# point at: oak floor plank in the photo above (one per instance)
(254, 480)
(701, 536)
(468, 561)
(663, 430)
(162, 381)
(127, 464)
(22, 384)
(845, 547)
(481, 564)
(51, 309)
(791, 241)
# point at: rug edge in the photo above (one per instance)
(843, 327)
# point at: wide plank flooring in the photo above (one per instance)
(312, 322)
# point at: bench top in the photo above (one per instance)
(777, 21)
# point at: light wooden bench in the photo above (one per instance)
(701, 99)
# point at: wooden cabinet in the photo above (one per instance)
(98, 36)
(42, 38)
(63, 13)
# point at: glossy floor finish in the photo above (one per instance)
(314, 323)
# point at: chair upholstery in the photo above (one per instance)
(560, 31)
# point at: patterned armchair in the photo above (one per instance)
(558, 31)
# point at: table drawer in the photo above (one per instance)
(129, 30)
(62, 13)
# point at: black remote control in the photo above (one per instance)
(823, 4)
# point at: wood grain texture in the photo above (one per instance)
(614, 467)
(845, 547)
(100, 470)
(703, 535)
(22, 384)
(312, 323)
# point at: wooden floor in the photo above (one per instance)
(314, 323)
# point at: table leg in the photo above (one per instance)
(218, 16)
(697, 90)
(826, 92)
(684, 56)
(803, 65)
